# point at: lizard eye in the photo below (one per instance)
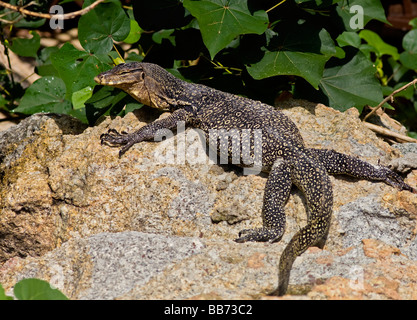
(142, 76)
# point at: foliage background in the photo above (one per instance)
(257, 48)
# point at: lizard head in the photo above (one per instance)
(146, 82)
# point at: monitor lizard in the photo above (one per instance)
(283, 152)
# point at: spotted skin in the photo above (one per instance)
(283, 152)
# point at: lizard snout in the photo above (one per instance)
(98, 78)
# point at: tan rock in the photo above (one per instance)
(68, 206)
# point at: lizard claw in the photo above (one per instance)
(126, 147)
(394, 180)
(114, 137)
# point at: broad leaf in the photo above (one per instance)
(46, 94)
(36, 289)
(100, 27)
(369, 10)
(78, 68)
(221, 21)
(413, 23)
(380, 46)
(302, 51)
(3, 294)
(135, 32)
(409, 57)
(109, 101)
(44, 64)
(26, 47)
(353, 84)
(81, 96)
(349, 39)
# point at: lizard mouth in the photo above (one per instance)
(98, 79)
(105, 80)
(101, 80)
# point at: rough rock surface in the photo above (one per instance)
(149, 226)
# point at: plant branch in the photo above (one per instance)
(66, 16)
(389, 133)
(275, 6)
(390, 97)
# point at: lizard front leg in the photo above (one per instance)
(113, 137)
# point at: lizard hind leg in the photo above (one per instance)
(277, 190)
(311, 177)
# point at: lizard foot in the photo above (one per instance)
(114, 137)
(394, 180)
(260, 235)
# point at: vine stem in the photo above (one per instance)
(272, 8)
(390, 97)
(66, 16)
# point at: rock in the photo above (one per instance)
(408, 161)
(151, 225)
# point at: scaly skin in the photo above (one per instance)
(283, 152)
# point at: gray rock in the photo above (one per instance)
(123, 260)
(366, 218)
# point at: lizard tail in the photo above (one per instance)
(314, 233)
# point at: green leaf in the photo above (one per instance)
(409, 57)
(78, 68)
(81, 96)
(109, 101)
(132, 106)
(413, 23)
(36, 289)
(221, 21)
(26, 47)
(106, 98)
(301, 51)
(44, 64)
(158, 36)
(3, 294)
(340, 53)
(352, 84)
(134, 34)
(46, 94)
(380, 46)
(371, 9)
(349, 38)
(100, 27)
